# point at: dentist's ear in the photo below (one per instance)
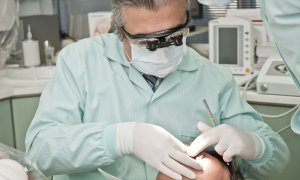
(215, 3)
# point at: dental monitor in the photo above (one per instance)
(231, 44)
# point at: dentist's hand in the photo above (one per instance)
(229, 141)
(215, 3)
(160, 149)
(163, 151)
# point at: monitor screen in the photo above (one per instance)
(228, 45)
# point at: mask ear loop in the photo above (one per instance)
(126, 55)
(130, 60)
(184, 41)
(184, 45)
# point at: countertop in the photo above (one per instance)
(10, 87)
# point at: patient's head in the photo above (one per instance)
(15, 165)
(11, 169)
(214, 168)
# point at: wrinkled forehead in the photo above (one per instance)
(173, 8)
(152, 4)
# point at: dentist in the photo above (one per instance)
(129, 102)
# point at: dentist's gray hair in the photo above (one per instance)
(147, 4)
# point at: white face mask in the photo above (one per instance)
(215, 3)
(160, 62)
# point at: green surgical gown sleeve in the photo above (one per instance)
(282, 21)
(249, 120)
(59, 142)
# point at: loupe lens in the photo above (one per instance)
(177, 40)
(152, 45)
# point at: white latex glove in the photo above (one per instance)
(157, 147)
(229, 141)
(215, 3)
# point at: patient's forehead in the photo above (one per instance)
(213, 169)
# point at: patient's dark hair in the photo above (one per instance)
(235, 173)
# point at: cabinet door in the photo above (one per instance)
(292, 140)
(23, 112)
(6, 126)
